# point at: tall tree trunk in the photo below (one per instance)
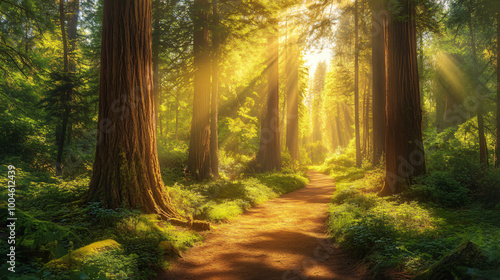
(404, 149)
(126, 172)
(73, 10)
(356, 85)
(156, 66)
(292, 122)
(199, 146)
(497, 143)
(340, 133)
(366, 127)
(483, 149)
(214, 137)
(65, 118)
(379, 82)
(177, 115)
(269, 156)
(62, 21)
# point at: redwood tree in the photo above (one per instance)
(214, 112)
(126, 172)
(403, 139)
(269, 156)
(292, 121)
(199, 145)
(356, 85)
(379, 82)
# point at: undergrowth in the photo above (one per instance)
(411, 231)
(224, 199)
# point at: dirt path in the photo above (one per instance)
(283, 238)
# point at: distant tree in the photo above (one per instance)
(292, 122)
(199, 145)
(214, 111)
(269, 156)
(379, 80)
(126, 171)
(403, 138)
(356, 85)
(317, 99)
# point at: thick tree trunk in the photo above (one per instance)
(356, 86)
(199, 146)
(292, 122)
(126, 172)
(497, 142)
(269, 156)
(214, 114)
(404, 149)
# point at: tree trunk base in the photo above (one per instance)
(196, 225)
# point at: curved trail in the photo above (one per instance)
(283, 238)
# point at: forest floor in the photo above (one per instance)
(283, 238)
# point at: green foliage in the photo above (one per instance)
(109, 265)
(440, 188)
(173, 158)
(397, 233)
(317, 152)
(19, 142)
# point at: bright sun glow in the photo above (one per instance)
(315, 56)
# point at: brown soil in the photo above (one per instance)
(284, 238)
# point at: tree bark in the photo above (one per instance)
(405, 156)
(214, 114)
(156, 67)
(199, 146)
(356, 85)
(126, 171)
(379, 83)
(292, 122)
(269, 156)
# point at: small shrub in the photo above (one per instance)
(440, 188)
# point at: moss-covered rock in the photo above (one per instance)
(76, 258)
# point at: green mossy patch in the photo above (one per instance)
(76, 258)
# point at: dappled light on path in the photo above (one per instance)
(284, 238)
